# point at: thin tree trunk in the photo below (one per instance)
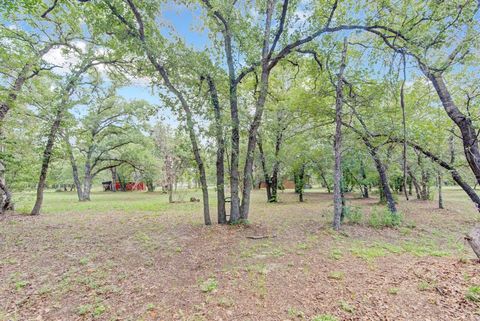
(364, 178)
(300, 182)
(113, 188)
(440, 197)
(266, 175)
(404, 127)
(185, 106)
(322, 175)
(220, 163)
(73, 163)
(47, 154)
(337, 145)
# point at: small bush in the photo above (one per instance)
(353, 214)
(380, 218)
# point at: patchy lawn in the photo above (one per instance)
(133, 256)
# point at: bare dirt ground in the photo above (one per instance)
(122, 264)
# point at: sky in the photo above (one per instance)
(186, 23)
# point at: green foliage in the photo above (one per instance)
(208, 285)
(324, 317)
(353, 214)
(381, 218)
(473, 293)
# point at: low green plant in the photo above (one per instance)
(473, 293)
(353, 214)
(381, 218)
(209, 285)
(393, 291)
(336, 275)
(295, 313)
(345, 306)
(324, 317)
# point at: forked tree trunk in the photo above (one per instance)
(257, 118)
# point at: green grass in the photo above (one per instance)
(473, 293)
(67, 202)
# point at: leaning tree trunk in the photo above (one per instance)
(463, 122)
(337, 145)
(220, 162)
(47, 154)
(383, 181)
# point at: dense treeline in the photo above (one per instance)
(365, 96)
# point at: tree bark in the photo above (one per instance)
(257, 118)
(47, 154)
(140, 34)
(364, 178)
(266, 175)
(440, 196)
(220, 162)
(455, 175)
(337, 145)
(114, 179)
(73, 163)
(474, 240)
(463, 122)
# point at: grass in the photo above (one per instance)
(473, 293)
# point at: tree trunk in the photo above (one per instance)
(257, 118)
(47, 154)
(364, 178)
(474, 240)
(268, 185)
(322, 175)
(440, 197)
(337, 145)
(464, 123)
(300, 182)
(404, 127)
(73, 163)
(5, 195)
(220, 163)
(113, 187)
(383, 180)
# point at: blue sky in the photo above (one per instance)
(185, 23)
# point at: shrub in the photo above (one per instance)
(380, 218)
(353, 214)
